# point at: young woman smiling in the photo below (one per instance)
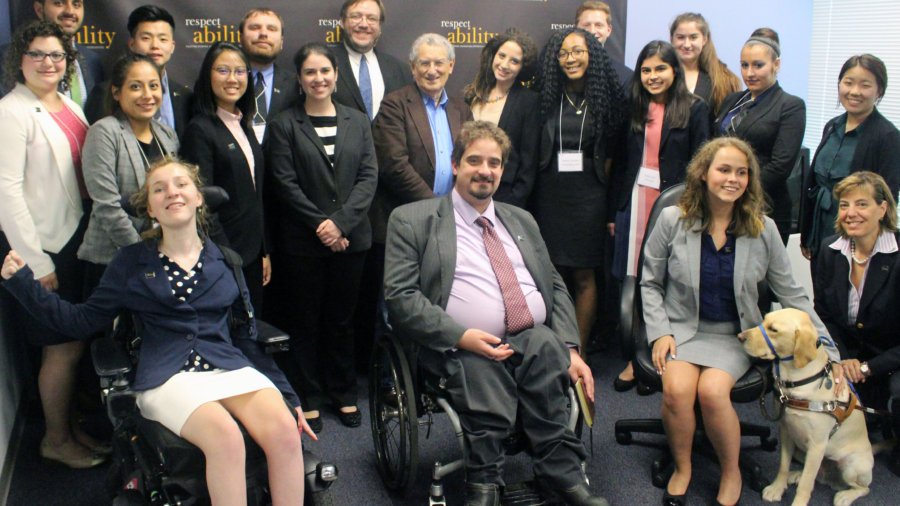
(860, 139)
(497, 94)
(323, 169)
(220, 140)
(668, 125)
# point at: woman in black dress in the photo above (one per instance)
(582, 115)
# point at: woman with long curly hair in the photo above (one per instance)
(498, 94)
(719, 232)
(704, 73)
(582, 116)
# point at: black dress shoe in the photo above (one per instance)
(351, 419)
(579, 495)
(674, 500)
(316, 424)
(482, 494)
(623, 385)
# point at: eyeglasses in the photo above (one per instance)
(426, 64)
(564, 55)
(225, 71)
(38, 56)
(357, 18)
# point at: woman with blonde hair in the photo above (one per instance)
(703, 263)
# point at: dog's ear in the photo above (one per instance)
(804, 344)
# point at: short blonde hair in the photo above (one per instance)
(880, 190)
(594, 5)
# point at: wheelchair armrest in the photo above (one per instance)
(272, 338)
(110, 357)
(627, 315)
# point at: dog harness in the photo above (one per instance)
(839, 410)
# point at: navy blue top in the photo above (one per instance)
(172, 328)
(717, 281)
(746, 104)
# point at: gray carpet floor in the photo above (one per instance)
(620, 473)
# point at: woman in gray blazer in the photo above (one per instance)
(117, 153)
(703, 262)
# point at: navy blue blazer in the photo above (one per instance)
(135, 280)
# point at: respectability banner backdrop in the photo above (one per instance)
(468, 24)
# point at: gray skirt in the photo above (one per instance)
(716, 345)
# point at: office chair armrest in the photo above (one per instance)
(272, 338)
(110, 358)
(627, 316)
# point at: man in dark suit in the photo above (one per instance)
(152, 34)
(361, 68)
(596, 18)
(262, 38)
(470, 281)
(69, 14)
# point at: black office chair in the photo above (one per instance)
(402, 398)
(749, 388)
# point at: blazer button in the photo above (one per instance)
(189, 337)
(859, 325)
(333, 200)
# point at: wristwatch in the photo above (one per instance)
(864, 368)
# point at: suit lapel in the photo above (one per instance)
(878, 273)
(153, 276)
(345, 75)
(343, 119)
(692, 238)
(446, 241)
(420, 119)
(515, 229)
(211, 271)
(310, 132)
(758, 112)
(663, 137)
(741, 256)
(61, 152)
(134, 151)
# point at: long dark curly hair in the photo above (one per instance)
(484, 81)
(604, 96)
(12, 66)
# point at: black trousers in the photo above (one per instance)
(531, 385)
(317, 299)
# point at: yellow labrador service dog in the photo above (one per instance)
(824, 431)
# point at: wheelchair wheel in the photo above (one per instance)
(392, 410)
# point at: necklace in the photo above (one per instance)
(578, 108)
(490, 100)
(853, 254)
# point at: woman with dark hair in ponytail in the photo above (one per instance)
(582, 115)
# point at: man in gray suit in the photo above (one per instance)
(470, 281)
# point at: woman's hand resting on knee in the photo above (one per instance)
(662, 348)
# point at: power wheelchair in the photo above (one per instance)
(403, 398)
(153, 466)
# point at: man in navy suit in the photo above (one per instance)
(152, 34)
(262, 38)
(69, 14)
(362, 68)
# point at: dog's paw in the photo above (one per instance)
(773, 493)
(794, 477)
(846, 497)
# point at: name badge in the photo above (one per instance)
(571, 161)
(648, 177)
(259, 129)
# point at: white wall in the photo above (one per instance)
(731, 22)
